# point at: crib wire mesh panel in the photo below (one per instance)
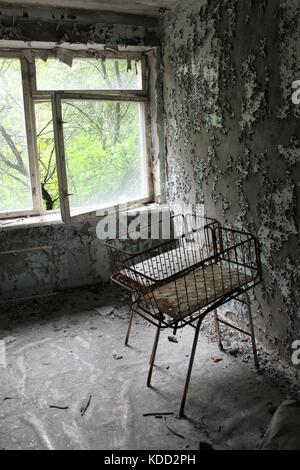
(181, 279)
(151, 239)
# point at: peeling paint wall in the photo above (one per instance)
(62, 25)
(233, 133)
(157, 124)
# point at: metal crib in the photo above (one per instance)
(166, 227)
(179, 281)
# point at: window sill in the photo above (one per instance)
(28, 222)
(55, 218)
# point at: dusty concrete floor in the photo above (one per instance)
(70, 383)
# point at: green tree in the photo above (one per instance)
(102, 139)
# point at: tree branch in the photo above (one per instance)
(86, 115)
(20, 164)
(6, 173)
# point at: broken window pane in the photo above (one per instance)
(46, 155)
(88, 74)
(105, 153)
(15, 183)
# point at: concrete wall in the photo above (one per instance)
(43, 259)
(63, 25)
(232, 136)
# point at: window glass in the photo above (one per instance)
(15, 182)
(105, 153)
(88, 74)
(46, 156)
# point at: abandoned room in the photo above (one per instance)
(149, 226)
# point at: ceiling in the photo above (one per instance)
(139, 7)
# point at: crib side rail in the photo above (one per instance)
(216, 248)
(172, 257)
(230, 244)
(154, 234)
(230, 270)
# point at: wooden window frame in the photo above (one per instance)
(31, 140)
(32, 95)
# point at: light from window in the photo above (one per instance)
(15, 182)
(105, 153)
(102, 135)
(47, 156)
(88, 74)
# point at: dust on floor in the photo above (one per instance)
(70, 383)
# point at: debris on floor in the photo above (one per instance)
(9, 339)
(217, 359)
(172, 430)
(284, 430)
(85, 406)
(97, 402)
(105, 311)
(233, 352)
(173, 339)
(117, 356)
(57, 407)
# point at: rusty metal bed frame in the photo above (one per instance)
(178, 282)
(168, 226)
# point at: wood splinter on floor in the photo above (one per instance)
(85, 407)
(56, 407)
(217, 359)
(172, 430)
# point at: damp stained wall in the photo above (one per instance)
(42, 259)
(232, 136)
(62, 25)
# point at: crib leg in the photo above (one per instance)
(153, 355)
(256, 363)
(217, 327)
(189, 373)
(129, 325)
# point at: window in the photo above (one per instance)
(72, 137)
(88, 74)
(16, 184)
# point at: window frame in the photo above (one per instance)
(31, 96)
(31, 141)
